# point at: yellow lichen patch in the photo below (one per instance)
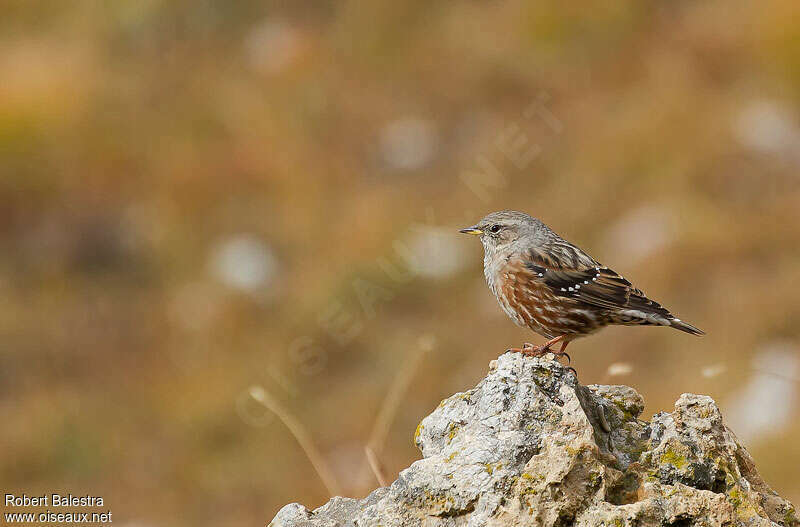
(742, 503)
(490, 468)
(627, 415)
(464, 396)
(577, 452)
(452, 429)
(529, 491)
(417, 432)
(790, 518)
(527, 486)
(673, 458)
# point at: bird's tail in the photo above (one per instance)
(683, 326)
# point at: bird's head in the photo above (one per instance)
(501, 231)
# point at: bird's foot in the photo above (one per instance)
(541, 350)
(530, 350)
(538, 351)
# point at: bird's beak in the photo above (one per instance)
(474, 230)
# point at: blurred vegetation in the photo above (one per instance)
(197, 198)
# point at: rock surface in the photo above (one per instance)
(530, 446)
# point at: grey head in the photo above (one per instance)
(510, 231)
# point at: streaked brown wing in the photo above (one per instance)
(597, 286)
(561, 255)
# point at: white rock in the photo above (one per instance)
(528, 446)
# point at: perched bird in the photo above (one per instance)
(545, 283)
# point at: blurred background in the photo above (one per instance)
(214, 211)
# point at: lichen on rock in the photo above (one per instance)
(529, 445)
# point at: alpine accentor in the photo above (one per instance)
(545, 283)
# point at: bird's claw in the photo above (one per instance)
(560, 354)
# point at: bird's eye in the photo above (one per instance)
(494, 229)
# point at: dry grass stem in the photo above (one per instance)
(302, 436)
(376, 466)
(391, 403)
